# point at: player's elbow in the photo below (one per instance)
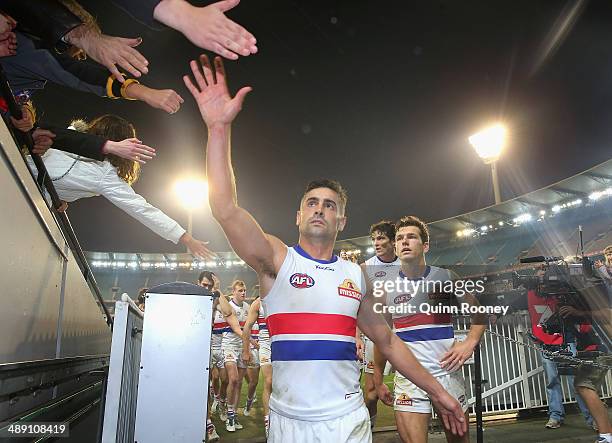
(222, 211)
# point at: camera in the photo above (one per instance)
(572, 283)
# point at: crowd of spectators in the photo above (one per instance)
(58, 42)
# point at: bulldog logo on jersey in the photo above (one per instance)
(348, 288)
(380, 274)
(301, 281)
(403, 400)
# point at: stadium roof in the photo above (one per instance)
(583, 188)
(550, 199)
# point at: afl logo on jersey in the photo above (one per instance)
(380, 274)
(301, 281)
(402, 299)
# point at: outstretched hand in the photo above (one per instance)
(211, 94)
(110, 51)
(207, 27)
(130, 149)
(197, 247)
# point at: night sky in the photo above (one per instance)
(381, 96)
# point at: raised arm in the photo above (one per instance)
(263, 252)
(119, 193)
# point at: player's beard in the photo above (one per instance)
(318, 233)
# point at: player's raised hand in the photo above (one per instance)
(211, 94)
(450, 410)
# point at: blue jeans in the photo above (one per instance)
(556, 410)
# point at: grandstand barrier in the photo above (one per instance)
(52, 319)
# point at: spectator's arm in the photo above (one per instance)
(142, 11)
(207, 27)
(86, 145)
(97, 77)
(46, 19)
(119, 193)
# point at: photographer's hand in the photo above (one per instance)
(570, 311)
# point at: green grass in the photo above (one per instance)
(253, 424)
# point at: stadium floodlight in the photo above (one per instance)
(192, 194)
(489, 144)
(484, 228)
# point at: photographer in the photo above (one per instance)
(569, 303)
(540, 310)
(589, 378)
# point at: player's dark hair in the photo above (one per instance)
(386, 227)
(411, 220)
(330, 184)
(206, 274)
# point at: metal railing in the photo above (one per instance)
(513, 369)
(44, 183)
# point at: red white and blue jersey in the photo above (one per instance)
(255, 331)
(262, 324)
(230, 338)
(429, 336)
(312, 317)
(219, 327)
(376, 269)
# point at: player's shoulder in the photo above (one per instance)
(371, 261)
(441, 273)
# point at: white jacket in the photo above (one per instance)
(76, 177)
